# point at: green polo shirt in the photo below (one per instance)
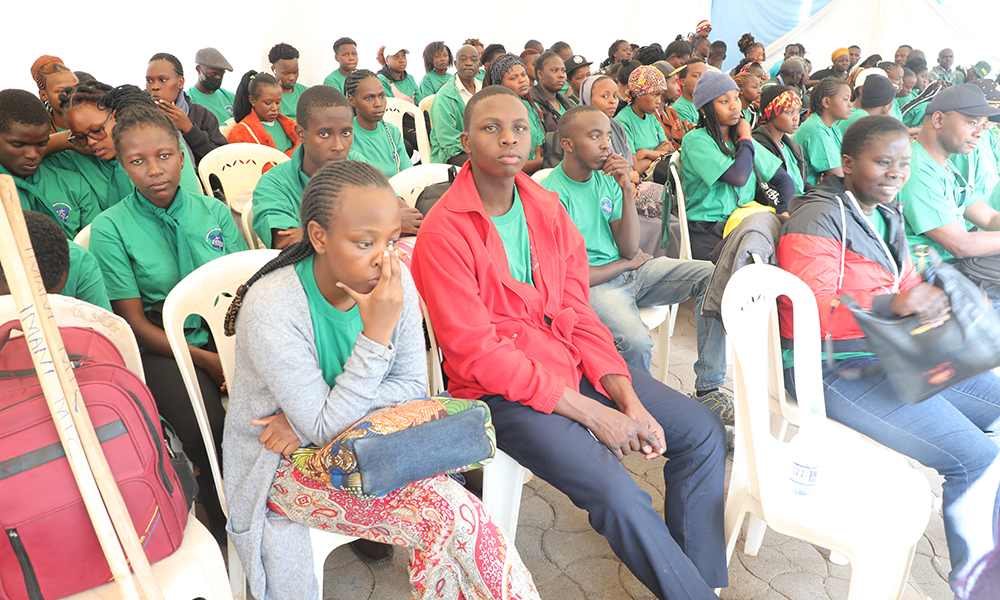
(407, 85)
(220, 102)
(383, 147)
(644, 133)
(820, 145)
(446, 117)
(537, 131)
(281, 140)
(85, 281)
(933, 197)
(278, 195)
(685, 110)
(702, 164)
(144, 251)
(290, 101)
(513, 230)
(336, 79)
(336, 331)
(593, 205)
(432, 82)
(61, 195)
(915, 116)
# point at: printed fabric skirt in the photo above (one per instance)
(455, 548)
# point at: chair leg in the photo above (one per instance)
(838, 559)
(881, 573)
(663, 358)
(237, 579)
(755, 535)
(503, 480)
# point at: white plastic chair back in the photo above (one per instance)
(246, 221)
(409, 183)
(238, 167)
(674, 165)
(394, 111)
(73, 312)
(425, 107)
(868, 504)
(83, 237)
(540, 175)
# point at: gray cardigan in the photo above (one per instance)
(277, 369)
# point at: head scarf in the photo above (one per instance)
(646, 80)
(838, 53)
(782, 102)
(702, 25)
(500, 66)
(587, 88)
(749, 64)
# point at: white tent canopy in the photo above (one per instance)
(881, 26)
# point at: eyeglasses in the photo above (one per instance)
(96, 135)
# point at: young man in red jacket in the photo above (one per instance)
(505, 276)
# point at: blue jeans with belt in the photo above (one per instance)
(678, 556)
(955, 432)
(661, 281)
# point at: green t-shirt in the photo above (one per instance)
(219, 102)
(85, 281)
(593, 205)
(407, 86)
(336, 79)
(933, 197)
(792, 168)
(383, 147)
(61, 195)
(336, 331)
(281, 140)
(702, 164)
(820, 145)
(856, 114)
(915, 116)
(994, 199)
(878, 222)
(978, 168)
(290, 101)
(432, 82)
(685, 110)
(895, 112)
(537, 130)
(644, 133)
(513, 230)
(144, 251)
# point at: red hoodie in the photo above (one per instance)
(499, 335)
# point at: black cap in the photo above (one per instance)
(575, 62)
(967, 99)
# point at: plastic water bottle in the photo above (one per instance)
(804, 472)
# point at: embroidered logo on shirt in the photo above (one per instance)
(606, 205)
(62, 209)
(214, 239)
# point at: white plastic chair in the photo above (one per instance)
(409, 183)
(425, 107)
(72, 312)
(238, 167)
(540, 175)
(868, 503)
(83, 237)
(195, 570)
(246, 220)
(674, 166)
(394, 111)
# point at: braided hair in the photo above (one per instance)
(353, 80)
(317, 98)
(747, 43)
(321, 202)
(826, 88)
(709, 120)
(170, 58)
(85, 92)
(44, 66)
(250, 85)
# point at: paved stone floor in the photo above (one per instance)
(569, 561)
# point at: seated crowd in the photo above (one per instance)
(533, 285)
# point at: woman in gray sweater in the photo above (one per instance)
(330, 331)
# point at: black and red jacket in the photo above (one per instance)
(829, 244)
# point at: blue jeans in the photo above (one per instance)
(661, 281)
(956, 432)
(679, 556)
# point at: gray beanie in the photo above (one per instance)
(710, 86)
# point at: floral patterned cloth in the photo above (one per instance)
(456, 549)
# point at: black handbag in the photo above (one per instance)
(984, 271)
(919, 359)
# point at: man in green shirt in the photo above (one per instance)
(284, 59)
(345, 50)
(594, 187)
(63, 196)
(449, 107)
(211, 66)
(938, 204)
(944, 72)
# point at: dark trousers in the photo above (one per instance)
(679, 556)
(705, 236)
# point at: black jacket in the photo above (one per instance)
(205, 135)
(549, 115)
(765, 140)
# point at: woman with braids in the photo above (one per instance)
(749, 85)
(52, 77)
(200, 128)
(91, 122)
(437, 59)
(257, 110)
(508, 70)
(379, 142)
(722, 165)
(751, 48)
(348, 317)
(147, 243)
(830, 100)
(619, 51)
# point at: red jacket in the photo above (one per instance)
(811, 249)
(250, 131)
(493, 330)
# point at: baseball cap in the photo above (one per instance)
(394, 50)
(210, 57)
(967, 99)
(575, 62)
